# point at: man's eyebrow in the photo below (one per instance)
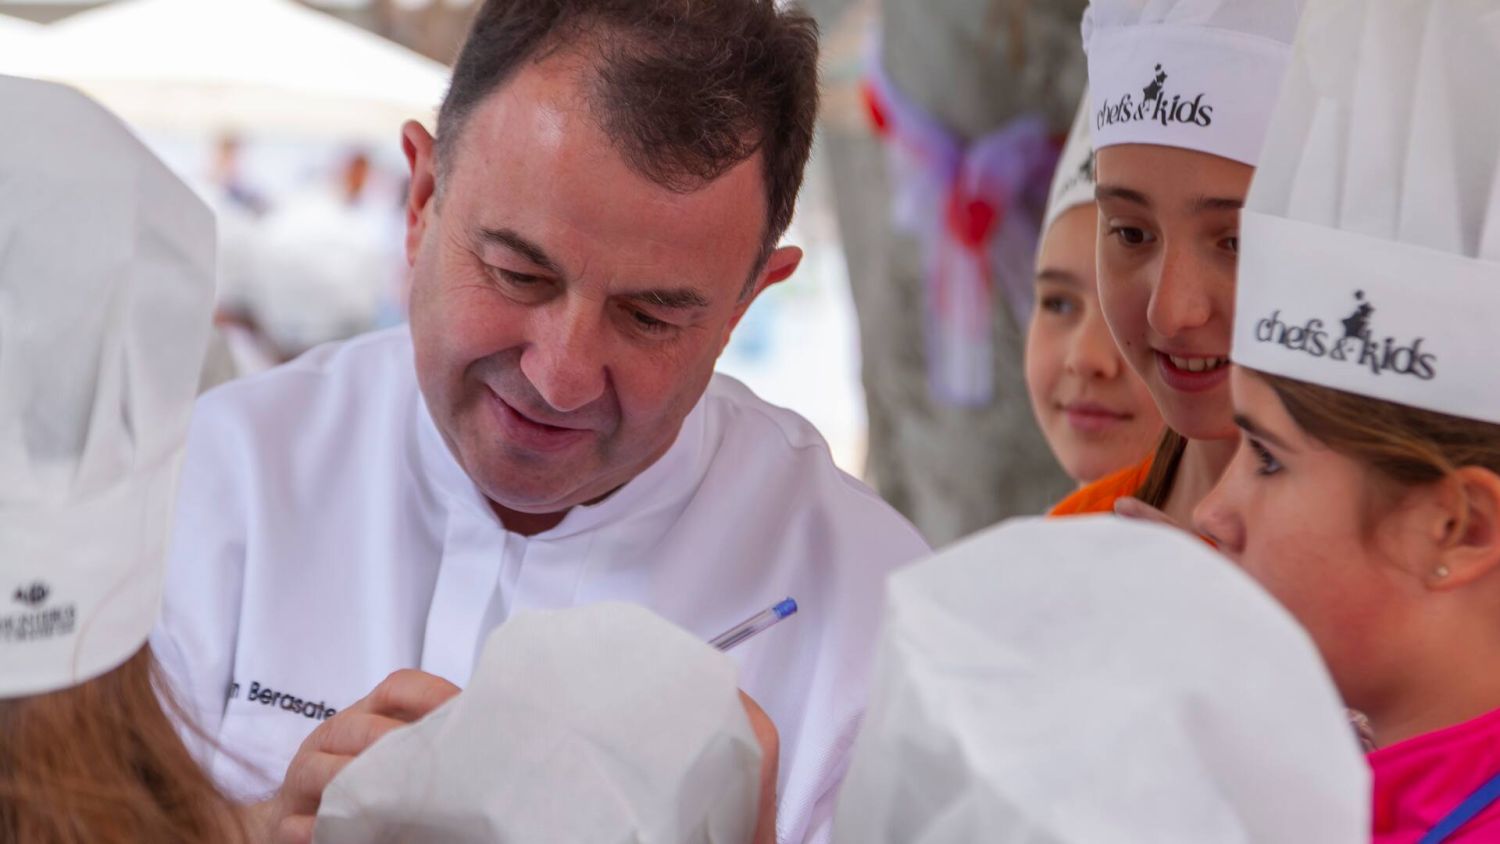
(520, 245)
(673, 298)
(1248, 425)
(1103, 192)
(1216, 203)
(1058, 276)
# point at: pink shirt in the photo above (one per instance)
(1420, 780)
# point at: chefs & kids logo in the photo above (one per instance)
(36, 620)
(1357, 344)
(1084, 175)
(1156, 105)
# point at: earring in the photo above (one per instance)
(1440, 572)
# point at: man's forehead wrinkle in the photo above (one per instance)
(528, 249)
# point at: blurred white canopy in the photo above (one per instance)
(236, 66)
(16, 36)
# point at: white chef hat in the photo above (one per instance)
(1073, 181)
(1197, 74)
(106, 289)
(1371, 257)
(1081, 680)
(600, 724)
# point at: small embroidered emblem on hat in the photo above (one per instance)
(31, 595)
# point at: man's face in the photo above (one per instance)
(567, 311)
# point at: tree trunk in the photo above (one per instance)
(973, 65)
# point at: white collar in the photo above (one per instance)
(661, 489)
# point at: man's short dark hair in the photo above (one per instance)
(687, 89)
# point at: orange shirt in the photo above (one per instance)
(1101, 495)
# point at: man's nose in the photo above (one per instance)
(564, 359)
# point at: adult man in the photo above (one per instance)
(600, 206)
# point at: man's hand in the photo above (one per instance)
(770, 762)
(402, 698)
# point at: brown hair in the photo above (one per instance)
(101, 761)
(1158, 483)
(686, 88)
(1404, 445)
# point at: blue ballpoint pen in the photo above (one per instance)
(753, 625)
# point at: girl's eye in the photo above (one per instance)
(1059, 305)
(1231, 244)
(1267, 464)
(1132, 235)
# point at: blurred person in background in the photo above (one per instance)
(322, 269)
(1096, 413)
(107, 281)
(230, 181)
(238, 210)
(603, 201)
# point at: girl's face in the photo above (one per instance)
(1096, 413)
(1168, 240)
(1295, 515)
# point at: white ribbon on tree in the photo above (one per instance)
(976, 208)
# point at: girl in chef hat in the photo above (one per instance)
(1366, 492)
(106, 285)
(1096, 413)
(1180, 94)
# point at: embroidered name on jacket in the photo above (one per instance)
(1356, 343)
(285, 701)
(1155, 105)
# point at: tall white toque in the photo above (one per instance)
(1197, 74)
(106, 296)
(1072, 681)
(1073, 181)
(1371, 235)
(602, 723)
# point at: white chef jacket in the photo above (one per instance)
(326, 537)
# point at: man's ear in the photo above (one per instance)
(779, 267)
(417, 145)
(1470, 533)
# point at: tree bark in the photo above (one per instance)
(973, 65)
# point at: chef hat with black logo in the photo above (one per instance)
(1371, 235)
(106, 291)
(1083, 680)
(1196, 74)
(1073, 181)
(602, 723)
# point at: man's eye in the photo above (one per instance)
(650, 324)
(520, 279)
(1231, 244)
(1268, 464)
